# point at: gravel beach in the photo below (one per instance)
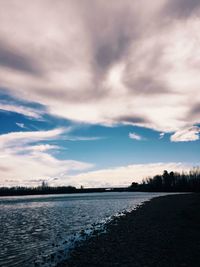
(162, 232)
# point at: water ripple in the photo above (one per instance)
(41, 230)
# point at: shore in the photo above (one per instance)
(164, 232)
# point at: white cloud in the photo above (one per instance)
(21, 125)
(135, 136)
(122, 176)
(29, 112)
(161, 135)
(23, 161)
(22, 169)
(42, 148)
(185, 135)
(21, 138)
(84, 138)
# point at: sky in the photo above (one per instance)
(98, 93)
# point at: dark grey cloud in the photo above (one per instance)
(108, 26)
(147, 85)
(73, 95)
(107, 58)
(181, 8)
(147, 81)
(107, 53)
(131, 119)
(194, 113)
(5, 169)
(196, 109)
(13, 59)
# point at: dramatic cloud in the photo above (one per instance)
(12, 59)
(104, 62)
(135, 136)
(182, 8)
(123, 176)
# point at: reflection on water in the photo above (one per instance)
(34, 229)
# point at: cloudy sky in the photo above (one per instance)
(98, 93)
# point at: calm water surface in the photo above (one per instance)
(39, 230)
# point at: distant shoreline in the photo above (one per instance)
(164, 232)
(59, 191)
(90, 191)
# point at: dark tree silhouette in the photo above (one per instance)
(171, 182)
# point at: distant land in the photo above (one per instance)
(167, 182)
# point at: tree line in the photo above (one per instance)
(170, 182)
(40, 190)
(44, 189)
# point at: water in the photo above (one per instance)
(39, 230)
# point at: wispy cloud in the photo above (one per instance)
(42, 148)
(23, 158)
(161, 135)
(26, 111)
(21, 125)
(135, 136)
(23, 138)
(84, 138)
